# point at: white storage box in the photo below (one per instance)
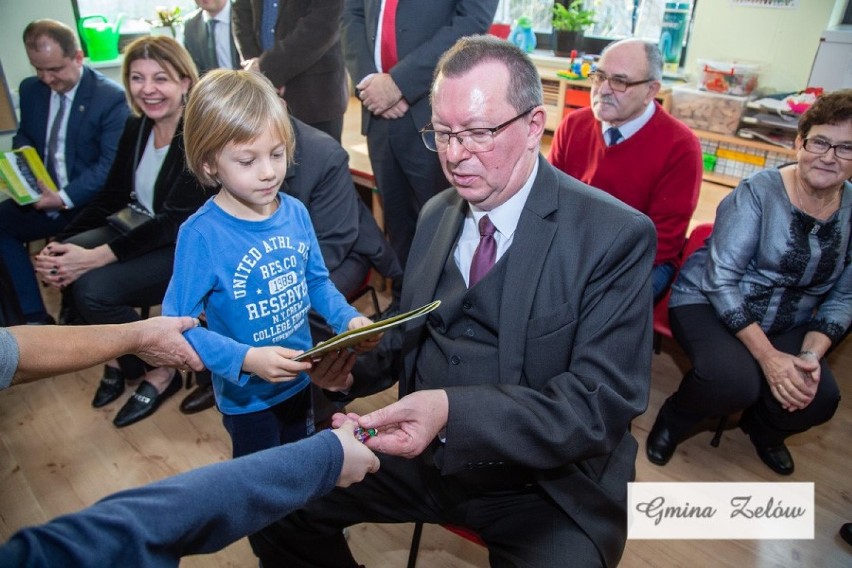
(704, 110)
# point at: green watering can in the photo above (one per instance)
(101, 37)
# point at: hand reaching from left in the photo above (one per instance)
(358, 460)
(161, 343)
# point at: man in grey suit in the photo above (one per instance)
(73, 116)
(395, 94)
(517, 393)
(216, 50)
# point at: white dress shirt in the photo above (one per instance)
(631, 127)
(504, 218)
(59, 165)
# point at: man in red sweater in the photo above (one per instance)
(628, 146)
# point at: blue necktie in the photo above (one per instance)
(614, 135)
(268, 18)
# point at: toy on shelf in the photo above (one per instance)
(576, 69)
(522, 34)
(801, 101)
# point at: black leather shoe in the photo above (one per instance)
(200, 399)
(846, 533)
(110, 388)
(661, 443)
(145, 401)
(778, 457)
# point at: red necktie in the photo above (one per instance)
(486, 252)
(388, 53)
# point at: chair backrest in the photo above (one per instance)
(694, 242)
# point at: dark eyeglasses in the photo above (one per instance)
(615, 83)
(820, 146)
(473, 139)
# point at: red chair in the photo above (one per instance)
(661, 311)
(466, 534)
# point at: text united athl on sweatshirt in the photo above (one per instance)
(255, 281)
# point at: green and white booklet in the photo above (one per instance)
(356, 336)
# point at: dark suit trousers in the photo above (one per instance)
(725, 378)
(110, 293)
(522, 527)
(407, 176)
(19, 225)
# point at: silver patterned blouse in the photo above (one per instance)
(769, 262)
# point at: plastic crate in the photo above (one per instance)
(704, 110)
(727, 78)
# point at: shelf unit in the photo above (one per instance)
(738, 157)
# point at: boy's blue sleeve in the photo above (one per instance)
(192, 279)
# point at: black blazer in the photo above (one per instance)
(306, 59)
(177, 194)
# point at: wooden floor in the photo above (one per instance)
(58, 454)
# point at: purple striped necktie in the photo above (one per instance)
(486, 252)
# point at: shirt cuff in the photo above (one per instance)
(66, 199)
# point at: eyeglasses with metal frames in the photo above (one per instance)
(615, 83)
(473, 139)
(820, 146)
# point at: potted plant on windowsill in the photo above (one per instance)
(569, 25)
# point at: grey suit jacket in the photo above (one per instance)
(195, 42)
(574, 344)
(306, 58)
(425, 30)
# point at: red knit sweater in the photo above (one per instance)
(657, 170)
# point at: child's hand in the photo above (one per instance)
(274, 364)
(369, 343)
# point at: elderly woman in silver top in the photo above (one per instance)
(758, 307)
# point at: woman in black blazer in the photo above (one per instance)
(105, 270)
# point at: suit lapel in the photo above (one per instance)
(425, 270)
(38, 102)
(530, 247)
(76, 114)
(427, 274)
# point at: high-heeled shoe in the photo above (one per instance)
(145, 401)
(110, 388)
